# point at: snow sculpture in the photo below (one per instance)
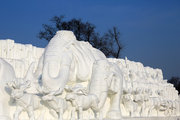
(66, 59)
(6, 75)
(25, 102)
(70, 79)
(59, 105)
(155, 96)
(81, 101)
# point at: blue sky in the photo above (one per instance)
(150, 29)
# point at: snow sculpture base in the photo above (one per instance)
(70, 79)
(153, 118)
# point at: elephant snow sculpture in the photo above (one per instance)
(67, 60)
(7, 74)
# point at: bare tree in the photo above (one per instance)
(108, 43)
(113, 38)
(176, 82)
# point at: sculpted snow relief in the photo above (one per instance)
(70, 79)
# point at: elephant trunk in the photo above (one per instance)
(51, 62)
(49, 82)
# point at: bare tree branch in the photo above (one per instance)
(108, 43)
